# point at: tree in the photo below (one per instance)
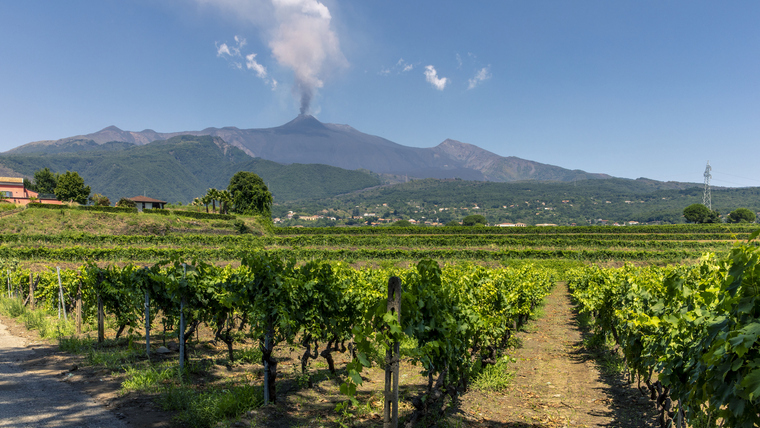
(698, 213)
(100, 201)
(741, 215)
(474, 219)
(71, 188)
(225, 200)
(45, 181)
(249, 194)
(126, 203)
(402, 223)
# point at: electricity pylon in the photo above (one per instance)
(706, 199)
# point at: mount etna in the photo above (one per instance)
(306, 159)
(306, 140)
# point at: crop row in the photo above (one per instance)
(581, 240)
(458, 316)
(691, 333)
(80, 254)
(727, 230)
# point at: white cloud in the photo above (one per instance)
(432, 77)
(459, 61)
(233, 53)
(482, 75)
(401, 66)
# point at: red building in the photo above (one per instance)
(12, 190)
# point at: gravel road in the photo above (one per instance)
(36, 399)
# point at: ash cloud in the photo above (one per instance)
(300, 36)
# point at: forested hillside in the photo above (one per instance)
(531, 202)
(184, 167)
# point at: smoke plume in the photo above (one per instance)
(304, 42)
(300, 35)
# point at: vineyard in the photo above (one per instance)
(148, 238)
(457, 317)
(690, 333)
(319, 299)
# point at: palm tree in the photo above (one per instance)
(197, 202)
(225, 200)
(214, 195)
(206, 199)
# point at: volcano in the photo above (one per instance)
(306, 140)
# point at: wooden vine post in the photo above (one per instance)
(147, 323)
(79, 308)
(182, 326)
(390, 406)
(101, 315)
(31, 291)
(61, 301)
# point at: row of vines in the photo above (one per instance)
(689, 332)
(458, 240)
(534, 230)
(78, 253)
(458, 316)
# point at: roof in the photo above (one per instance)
(145, 199)
(18, 180)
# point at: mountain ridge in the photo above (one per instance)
(306, 140)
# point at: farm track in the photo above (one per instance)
(557, 382)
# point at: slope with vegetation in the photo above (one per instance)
(530, 202)
(183, 167)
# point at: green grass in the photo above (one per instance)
(47, 325)
(149, 378)
(494, 377)
(200, 409)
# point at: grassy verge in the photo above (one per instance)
(193, 403)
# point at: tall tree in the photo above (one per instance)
(698, 213)
(250, 194)
(71, 188)
(45, 181)
(741, 215)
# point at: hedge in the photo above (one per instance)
(47, 206)
(159, 211)
(204, 215)
(107, 209)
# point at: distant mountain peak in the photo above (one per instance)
(303, 123)
(111, 128)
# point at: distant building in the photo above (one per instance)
(505, 225)
(12, 190)
(144, 202)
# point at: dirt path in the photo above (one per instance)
(39, 399)
(43, 387)
(557, 383)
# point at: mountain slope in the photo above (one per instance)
(182, 168)
(306, 140)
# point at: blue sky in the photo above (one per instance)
(629, 88)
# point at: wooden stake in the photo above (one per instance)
(79, 308)
(31, 292)
(60, 292)
(147, 323)
(101, 321)
(390, 406)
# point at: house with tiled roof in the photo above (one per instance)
(12, 190)
(145, 202)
